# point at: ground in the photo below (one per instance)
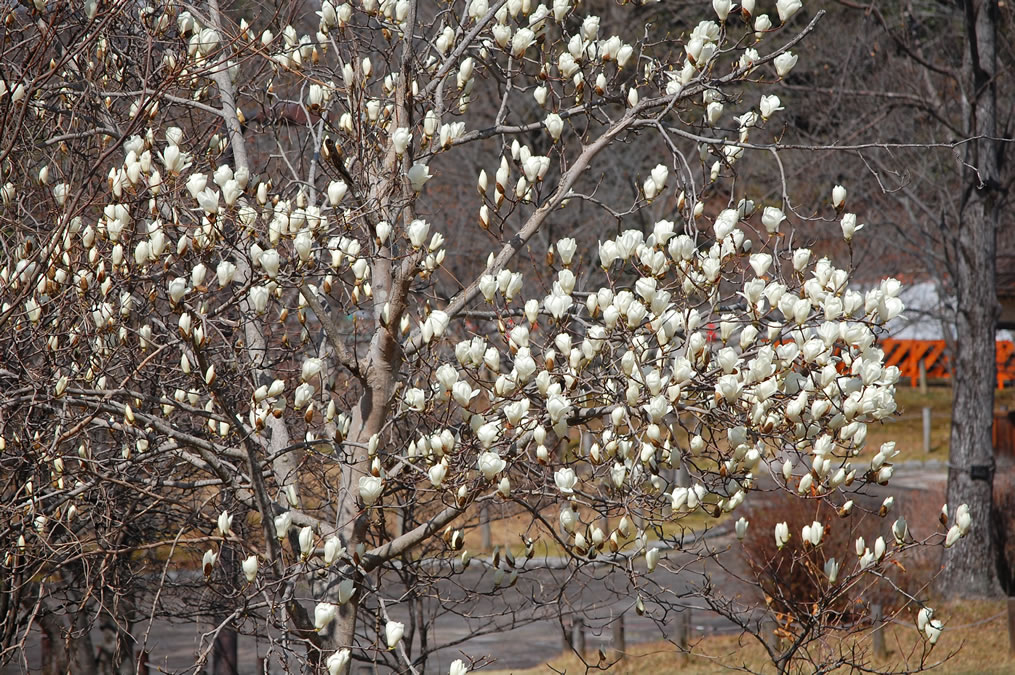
(975, 641)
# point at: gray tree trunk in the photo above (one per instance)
(970, 566)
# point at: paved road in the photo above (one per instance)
(508, 627)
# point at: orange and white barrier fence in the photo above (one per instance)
(908, 354)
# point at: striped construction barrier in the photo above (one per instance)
(907, 355)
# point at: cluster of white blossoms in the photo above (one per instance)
(774, 348)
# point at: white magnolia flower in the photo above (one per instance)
(208, 561)
(311, 368)
(954, 533)
(781, 534)
(831, 570)
(849, 226)
(370, 488)
(225, 523)
(838, 196)
(177, 289)
(393, 631)
(490, 464)
(554, 125)
(250, 568)
(522, 40)
(566, 249)
(400, 139)
(812, 533)
(787, 8)
(741, 527)
(437, 473)
(258, 296)
(463, 393)
(651, 558)
(336, 192)
(770, 104)
(784, 63)
(962, 518)
(923, 618)
(324, 613)
(722, 8)
(332, 549)
(282, 524)
(417, 232)
(566, 480)
(196, 184)
(338, 661)
(415, 399)
(771, 218)
(418, 175)
(306, 539)
(270, 262)
(225, 272)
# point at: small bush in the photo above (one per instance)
(793, 577)
(1003, 524)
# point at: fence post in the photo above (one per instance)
(1011, 625)
(578, 635)
(224, 653)
(486, 542)
(683, 634)
(926, 430)
(46, 652)
(877, 617)
(923, 376)
(619, 641)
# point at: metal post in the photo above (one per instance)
(923, 376)
(877, 617)
(619, 643)
(224, 653)
(1011, 625)
(46, 651)
(486, 542)
(578, 635)
(926, 430)
(683, 634)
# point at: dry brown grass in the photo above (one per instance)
(975, 641)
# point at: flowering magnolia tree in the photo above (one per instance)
(237, 338)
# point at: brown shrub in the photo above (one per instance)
(793, 578)
(1003, 524)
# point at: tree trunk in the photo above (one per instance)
(970, 565)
